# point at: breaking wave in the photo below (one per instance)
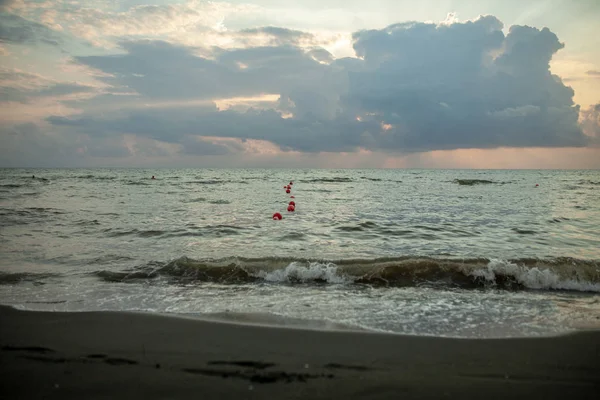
(552, 274)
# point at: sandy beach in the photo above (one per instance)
(133, 355)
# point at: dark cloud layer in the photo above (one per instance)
(5, 3)
(27, 145)
(23, 87)
(590, 123)
(161, 71)
(18, 30)
(415, 87)
(445, 87)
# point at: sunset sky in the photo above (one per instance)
(280, 83)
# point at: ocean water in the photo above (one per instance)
(460, 253)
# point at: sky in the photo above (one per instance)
(299, 84)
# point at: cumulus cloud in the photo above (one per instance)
(463, 85)
(415, 87)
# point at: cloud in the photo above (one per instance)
(199, 146)
(590, 123)
(593, 73)
(22, 86)
(413, 87)
(463, 85)
(158, 70)
(279, 35)
(17, 30)
(28, 96)
(5, 4)
(100, 25)
(28, 144)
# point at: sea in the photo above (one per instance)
(454, 253)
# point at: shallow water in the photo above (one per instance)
(468, 253)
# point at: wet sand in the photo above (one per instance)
(114, 355)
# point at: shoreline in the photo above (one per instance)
(274, 321)
(156, 356)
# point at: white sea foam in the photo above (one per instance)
(533, 277)
(297, 271)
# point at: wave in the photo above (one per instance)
(478, 273)
(318, 190)
(219, 201)
(360, 227)
(471, 182)
(134, 232)
(11, 278)
(589, 182)
(371, 179)
(196, 200)
(191, 230)
(208, 182)
(25, 216)
(96, 177)
(136, 183)
(556, 220)
(327, 180)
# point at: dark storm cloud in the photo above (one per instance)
(463, 86)
(416, 87)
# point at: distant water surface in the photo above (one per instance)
(469, 253)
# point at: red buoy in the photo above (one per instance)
(537, 184)
(288, 187)
(292, 197)
(277, 216)
(293, 203)
(288, 191)
(291, 208)
(291, 183)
